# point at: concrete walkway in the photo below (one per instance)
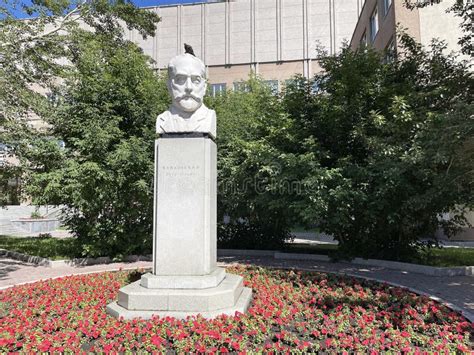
(457, 291)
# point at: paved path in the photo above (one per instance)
(456, 290)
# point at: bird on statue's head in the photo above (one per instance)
(188, 49)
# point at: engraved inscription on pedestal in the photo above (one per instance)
(185, 241)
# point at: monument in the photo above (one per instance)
(185, 279)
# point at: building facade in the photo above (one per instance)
(273, 38)
(377, 26)
(379, 20)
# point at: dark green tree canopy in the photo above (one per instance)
(36, 55)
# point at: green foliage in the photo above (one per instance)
(251, 125)
(438, 257)
(104, 175)
(261, 234)
(374, 152)
(447, 257)
(45, 247)
(35, 54)
(36, 215)
(395, 146)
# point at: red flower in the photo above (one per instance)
(157, 340)
(405, 334)
(64, 315)
(328, 342)
(45, 345)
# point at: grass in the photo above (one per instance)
(449, 257)
(324, 249)
(57, 249)
(443, 257)
(46, 247)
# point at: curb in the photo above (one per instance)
(73, 262)
(25, 257)
(394, 265)
(245, 252)
(114, 269)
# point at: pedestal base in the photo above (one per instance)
(184, 282)
(241, 306)
(137, 301)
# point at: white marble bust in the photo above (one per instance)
(187, 87)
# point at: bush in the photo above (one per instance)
(394, 147)
(241, 235)
(251, 168)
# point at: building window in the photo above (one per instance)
(363, 40)
(390, 51)
(374, 25)
(218, 89)
(241, 86)
(315, 87)
(386, 6)
(273, 85)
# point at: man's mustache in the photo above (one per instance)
(188, 96)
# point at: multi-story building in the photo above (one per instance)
(377, 26)
(272, 38)
(379, 21)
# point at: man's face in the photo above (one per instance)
(187, 86)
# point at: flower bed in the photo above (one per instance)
(290, 310)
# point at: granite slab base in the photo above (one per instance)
(184, 282)
(117, 311)
(228, 297)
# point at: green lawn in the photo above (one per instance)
(446, 257)
(46, 247)
(449, 257)
(57, 249)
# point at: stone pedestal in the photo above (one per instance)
(186, 205)
(185, 280)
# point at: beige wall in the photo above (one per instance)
(465, 234)
(250, 31)
(280, 71)
(275, 39)
(435, 22)
(422, 24)
(408, 20)
(228, 75)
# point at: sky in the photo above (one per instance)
(142, 3)
(139, 3)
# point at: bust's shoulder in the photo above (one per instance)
(164, 115)
(210, 121)
(209, 113)
(163, 122)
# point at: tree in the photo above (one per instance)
(35, 55)
(394, 142)
(250, 123)
(104, 176)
